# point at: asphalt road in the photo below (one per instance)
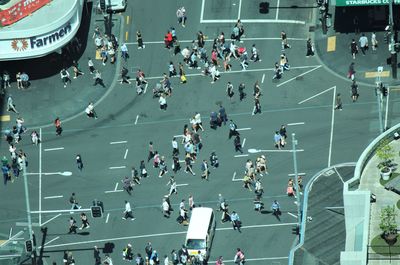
(303, 99)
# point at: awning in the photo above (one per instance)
(364, 2)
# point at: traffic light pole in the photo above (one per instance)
(28, 210)
(392, 42)
(296, 175)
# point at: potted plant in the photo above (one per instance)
(388, 224)
(385, 153)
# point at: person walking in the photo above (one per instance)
(363, 43)
(188, 164)
(353, 48)
(229, 91)
(374, 41)
(75, 68)
(310, 48)
(338, 101)
(139, 40)
(57, 124)
(11, 105)
(172, 186)
(239, 257)
(6, 79)
(65, 77)
(275, 207)
(96, 256)
(166, 208)
(163, 102)
(354, 91)
(237, 144)
(232, 129)
(351, 72)
(91, 66)
(236, 224)
(72, 225)
(285, 44)
(90, 112)
(128, 211)
(175, 147)
(181, 15)
(124, 52)
(223, 117)
(85, 222)
(257, 104)
(79, 162)
(124, 76)
(97, 78)
(205, 170)
(241, 88)
(74, 202)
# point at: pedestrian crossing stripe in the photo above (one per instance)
(376, 74)
(98, 56)
(331, 45)
(5, 118)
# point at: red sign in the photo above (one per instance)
(20, 10)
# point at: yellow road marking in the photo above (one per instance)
(331, 46)
(127, 20)
(5, 118)
(376, 74)
(126, 35)
(394, 89)
(98, 56)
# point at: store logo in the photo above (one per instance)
(38, 42)
(19, 44)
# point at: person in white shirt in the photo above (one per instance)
(363, 43)
(165, 207)
(172, 184)
(163, 103)
(90, 111)
(128, 211)
(374, 42)
(175, 147)
(65, 77)
(198, 122)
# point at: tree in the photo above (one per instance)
(385, 153)
(388, 223)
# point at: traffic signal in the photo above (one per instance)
(384, 91)
(28, 245)
(264, 7)
(96, 211)
(103, 5)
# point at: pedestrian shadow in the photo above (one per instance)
(265, 212)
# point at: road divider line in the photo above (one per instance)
(117, 167)
(51, 219)
(242, 155)
(127, 20)
(116, 186)
(136, 120)
(108, 216)
(53, 149)
(298, 174)
(316, 95)
(297, 76)
(53, 197)
(244, 142)
(263, 78)
(234, 175)
(112, 191)
(54, 239)
(295, 123)
(295, 216)
(119, 142)
(243, 129)
(126, 153)
(160, 234)
(179, 185)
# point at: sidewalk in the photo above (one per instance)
(46, 98)
(339, 59)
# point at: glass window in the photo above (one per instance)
(196, 244)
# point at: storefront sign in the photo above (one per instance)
(364, 2)
(20, 10)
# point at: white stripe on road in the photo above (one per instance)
(243, 129)
(283, 21)
(295, 123)
(51, 219)
(242, 155)
(295, 216)
(262, 79)
(185, 184)
(234, 175)
(244, 141)
(291, 79)
(116, 186)
(117, 167)
(298, 174)
(177, 136)
(119, 142)
(126, 153)
(112, 191)
(320, 93)
(54, 149)
(160, 234)
(54, 239)
(257, 259)
(108, 216)
(137, 117)
(332, 125)
(53, 197)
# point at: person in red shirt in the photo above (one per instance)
(168, 40)
(57, 123)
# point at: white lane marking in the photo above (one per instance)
(278, 151)
(236, 71)
(277, 10)
(54, 239)
(332, 124)
(52, 197)
(179, 185)
(117, 167)
(234, 175)
(283, 21)
(291, 79)
(243, 129)
(240, 9)
(244, 141)
(295, 216)
(119, 142)
(51, 219)
(160, 234)
(241, 155)
(126, 153)
(116, 186)
(262, 79)
(387, 107)
(298, 174)
(10, 234)
(137, 117)
(40, 175)
(257, 259)
(53, 149)
(64, 211)
(320, 93)
(112, 191)
(108, 216)
(202, 10)
(211, 40)
(295, 123)
(177, 136)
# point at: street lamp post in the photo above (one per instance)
(296, 175)
(392, 44)
(28, 211)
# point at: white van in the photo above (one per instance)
(200, 232)
(115, 5)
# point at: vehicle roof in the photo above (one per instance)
(199, 221)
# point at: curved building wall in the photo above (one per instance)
(46, 31)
